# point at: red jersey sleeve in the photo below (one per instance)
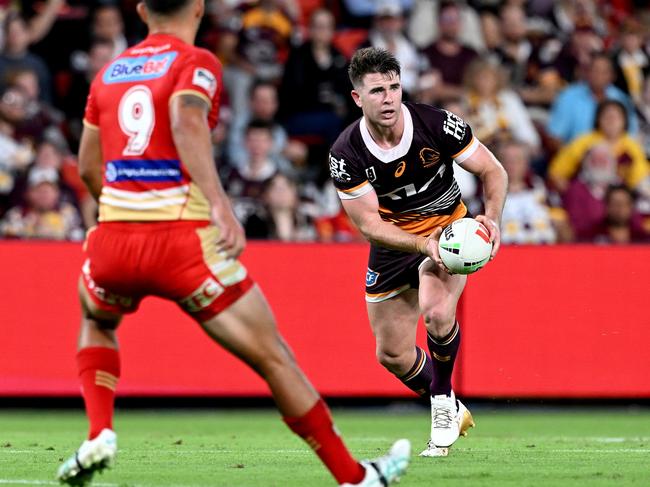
(91, 115)
(200, 74)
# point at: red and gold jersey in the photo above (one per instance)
(144, 178)
(414, 180)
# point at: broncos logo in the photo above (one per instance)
(429, 157)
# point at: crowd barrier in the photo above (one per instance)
(561, 322)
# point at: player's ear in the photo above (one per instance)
(199, 8)
(142, 11)
(356, 97)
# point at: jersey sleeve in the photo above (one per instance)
(455, 137)
(91, 114)
(200, 75)
(350, 180)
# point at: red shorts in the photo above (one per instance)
(178, 261)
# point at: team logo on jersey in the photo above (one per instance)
(371, 277)
(371, 174)
(143, 170)
(400, 169)
(429, 157)
(454, 126)
(127, 69)
(338, 170)
(206, 80)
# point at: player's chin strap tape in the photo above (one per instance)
(382, 479)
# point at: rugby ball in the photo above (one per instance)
(465, 246)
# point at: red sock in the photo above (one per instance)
(99, 370)
(317, 429)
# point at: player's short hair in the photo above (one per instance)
(372, 60)
(166, 7)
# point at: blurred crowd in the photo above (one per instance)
(559, 90)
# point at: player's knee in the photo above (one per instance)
(438, 318)
(391, 360)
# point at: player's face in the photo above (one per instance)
(380, 98)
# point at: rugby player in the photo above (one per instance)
(393, 172)
(166, 228)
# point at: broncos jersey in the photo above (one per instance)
(144, 178)
(414, 180)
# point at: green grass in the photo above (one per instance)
(254, 448)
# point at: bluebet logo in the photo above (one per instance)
(143, 170)
(126, 69)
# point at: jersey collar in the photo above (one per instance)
(400, 150)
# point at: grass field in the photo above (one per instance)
(253, 448)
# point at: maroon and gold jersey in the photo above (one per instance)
(414, 180)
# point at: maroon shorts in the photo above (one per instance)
(178, 261)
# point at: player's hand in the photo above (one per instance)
(495, 233)
(431, 249)
(232, 238)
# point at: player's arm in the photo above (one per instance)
(191, 134)
(489, 170)
(90, 160)
(364, 212)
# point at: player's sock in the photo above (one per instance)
(443, 354)
(317, 429)
(99, 370)
(419, 377)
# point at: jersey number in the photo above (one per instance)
(137, 118)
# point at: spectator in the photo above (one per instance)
(74, 102)
(43, 215)
(282, 216)
(246, 184)
(573, 112)
(16, 55)
(447, 56)
(611, 133)
(40, 117)
(263, 107)
(584, 200)
(495, 112)
(643, 109)
(315, 87)
(632, 62)
(387, 33)
(107, 23)
(621, 224)
(515, 50)
(263, 46)
(527, 217)
(574, 58)
(425, 23)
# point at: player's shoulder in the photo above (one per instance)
(203, 56)
(349, 140)
(426, 114)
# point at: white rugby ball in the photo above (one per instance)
(465, 246)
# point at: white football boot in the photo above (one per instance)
(449, 420)
(388, 469)
(92, 456)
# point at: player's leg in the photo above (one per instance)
(98, 366)
(394, 324)
(247, 329)
(439, 294)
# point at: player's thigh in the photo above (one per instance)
(394, 322)
(439, 292)
(247, 329)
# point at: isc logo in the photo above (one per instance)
(203, 297)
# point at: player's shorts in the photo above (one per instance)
(177, 260)
(391, 272)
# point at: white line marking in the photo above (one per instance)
(47, 482)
